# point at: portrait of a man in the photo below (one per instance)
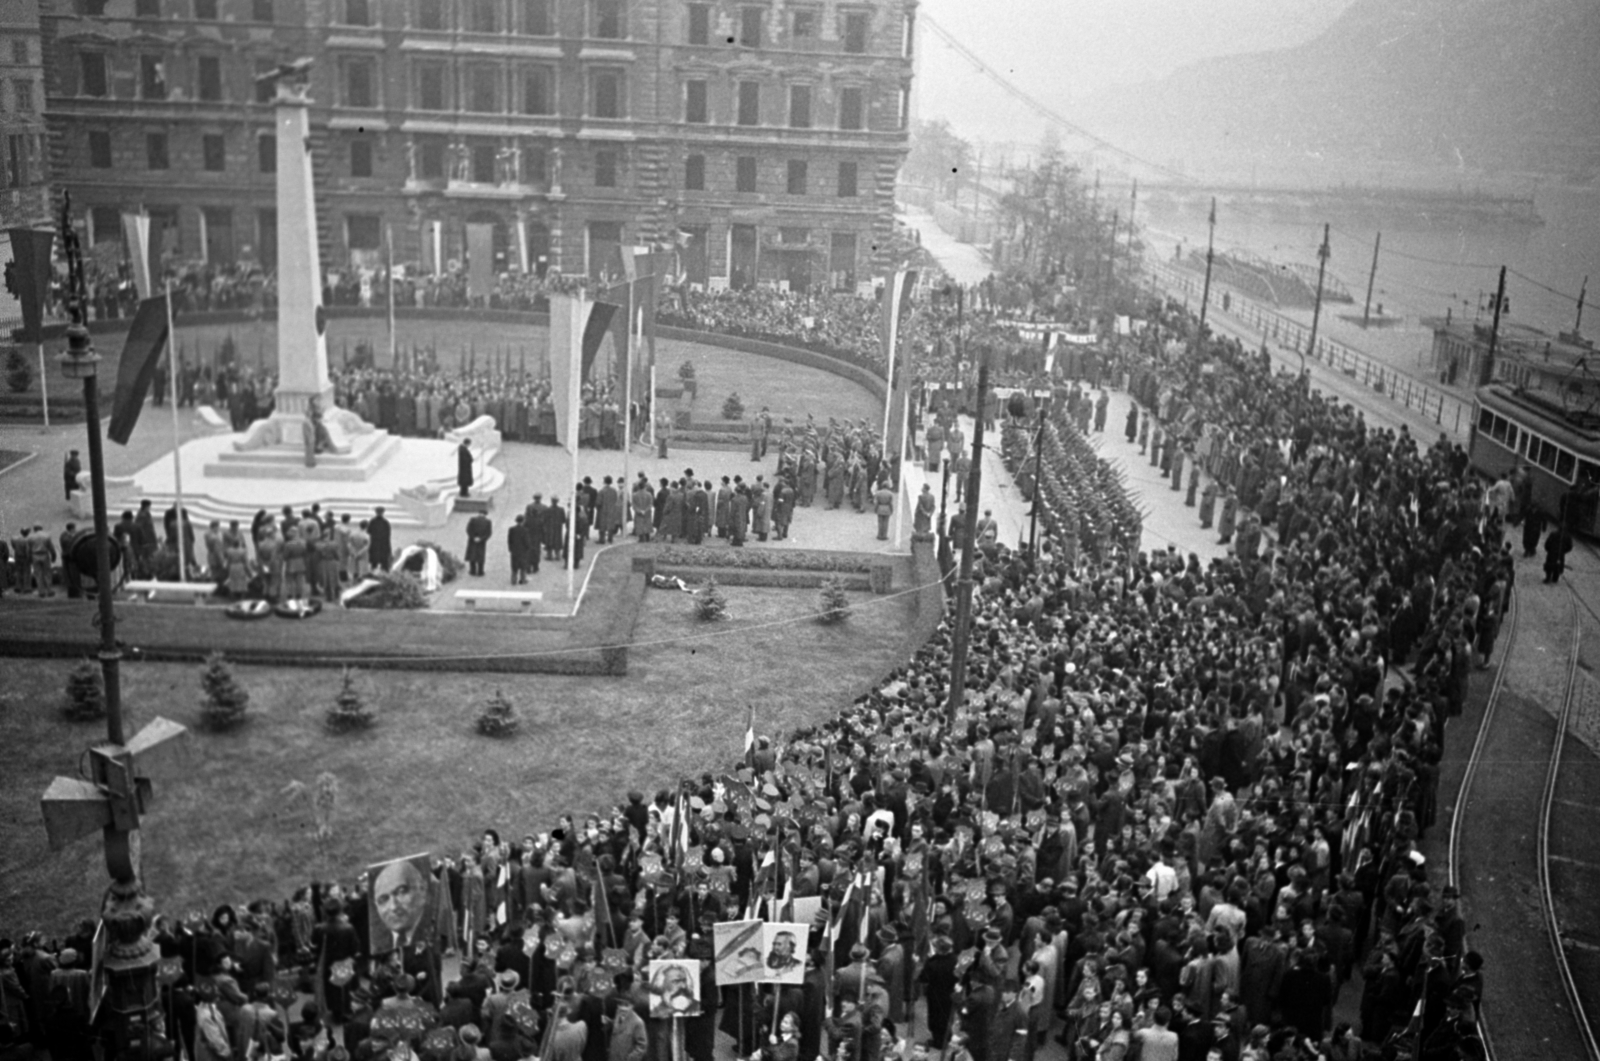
(674, 988)
(783, 947)
(401, 904)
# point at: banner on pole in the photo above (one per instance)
(567, 317)
(136, 231)
(738, 947)
(480, 260)
(141, 352)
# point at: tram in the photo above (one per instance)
(1560, 447)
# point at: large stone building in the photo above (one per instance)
(763, 136)
(24, 176)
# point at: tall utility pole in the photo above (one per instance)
(1316, 307)
(1205, 292)
(1372, 276)
(1577, 326)
(1107, 291)
(958, 657)
(1494, 330)
(1133, 205)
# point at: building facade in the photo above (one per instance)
(24, 169)
(763, 137)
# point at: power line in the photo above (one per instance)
(1545, 287)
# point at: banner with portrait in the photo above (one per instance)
(674, 988)
(783, 952)
(739, 952)
(401, 904)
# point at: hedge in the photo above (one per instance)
(763, 559)
(772, 579)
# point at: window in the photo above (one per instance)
(361, 157)
(787, 234)
(799, 106)
(205, 10)
(100, 150)
(147, 8)
(209, 71)
(92, 7)
(609, 23)
(699, 23)
(24, 94)
(430, 86)
(358, 12)
(155, 150)
(847, 180)
(533, 165)
(19, 51)
(483, 89)
(694, 173)
(107, 224)
(430, 158)
(904, 110)
(605, 169)
(17, 164)
(358, 83)
(855, 32)
(694, 102)
(842, 261)
(744, 178)
(536, 18)
(797, 176)
(749, 103)
(218, 231)
(605, 247)
(263, 11)
(92, 66)
(908, 36)
(267, 236)
(214, 149)
(267, 152)
(483, 158)
(804, 26)
(483, 16)
(750, 24)
(852, 110)
(605, 94)
(430, 14)
(363, 232)
(266, 91)
(152, 77)
(538, 95)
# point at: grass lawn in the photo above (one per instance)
(220, 828)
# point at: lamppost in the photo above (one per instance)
(945, 561)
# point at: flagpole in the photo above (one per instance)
(388, 245)
(627, 408)
(177, 445)
(44, 384)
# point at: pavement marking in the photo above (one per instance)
(1574, 861)
(1578, 805)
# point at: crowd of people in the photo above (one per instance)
(1179, 806)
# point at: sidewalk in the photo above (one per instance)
(965, 263)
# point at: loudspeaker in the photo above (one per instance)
(80, 552)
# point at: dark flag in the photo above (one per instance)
(147, 337)
(594, 333)
(30, 253)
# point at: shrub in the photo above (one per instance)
(710, 604)
(686, 370)
(226, 700)
(19, 370)
(499, 717)
(733, 407)
(767, 559)
(350, 710)
(835, 603)
(86, 695)
(395, 589)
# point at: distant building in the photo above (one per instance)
(1525, 357)
(763, 137)
(24, 173)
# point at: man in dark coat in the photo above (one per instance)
(555, 530)
(479, 530)
(381, 549)
(464, 467)
(699, 514)
(520, 545)
(69, 472)
(533, 518)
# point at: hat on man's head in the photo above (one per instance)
(507, 980)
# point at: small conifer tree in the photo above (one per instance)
(499, 717)
(710, 604)
(350, 710)
(226, 700)
(835, 603)
(86, 694)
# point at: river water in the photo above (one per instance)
(1424, 268)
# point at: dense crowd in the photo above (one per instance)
(1179, 805)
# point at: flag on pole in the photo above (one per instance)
(679, 841)
(30, 257)
(750, 736)
(141, 352)
(136, 230)
(897, 291)
(567, 315)
(594, 332)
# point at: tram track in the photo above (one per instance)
(1525, 857)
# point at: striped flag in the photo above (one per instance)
(141, 352)
(750, 736)
(897, 290)
(678, 844)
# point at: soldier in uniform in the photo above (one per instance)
(1230, 513)
(883, 505)
(643, 501)
(1194, 484)
(1208, 505)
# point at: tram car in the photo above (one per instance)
(1560, 447)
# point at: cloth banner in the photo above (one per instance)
(141, 352)
(896, 302)
(737, 946)
(480, 260)
(136, 232)
(567, 316)
(621, 296)
(601, 314)
(30, 251)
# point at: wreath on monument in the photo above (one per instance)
(249, 609)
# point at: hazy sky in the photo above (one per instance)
(1061, 51)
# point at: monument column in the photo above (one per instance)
(302, 346)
